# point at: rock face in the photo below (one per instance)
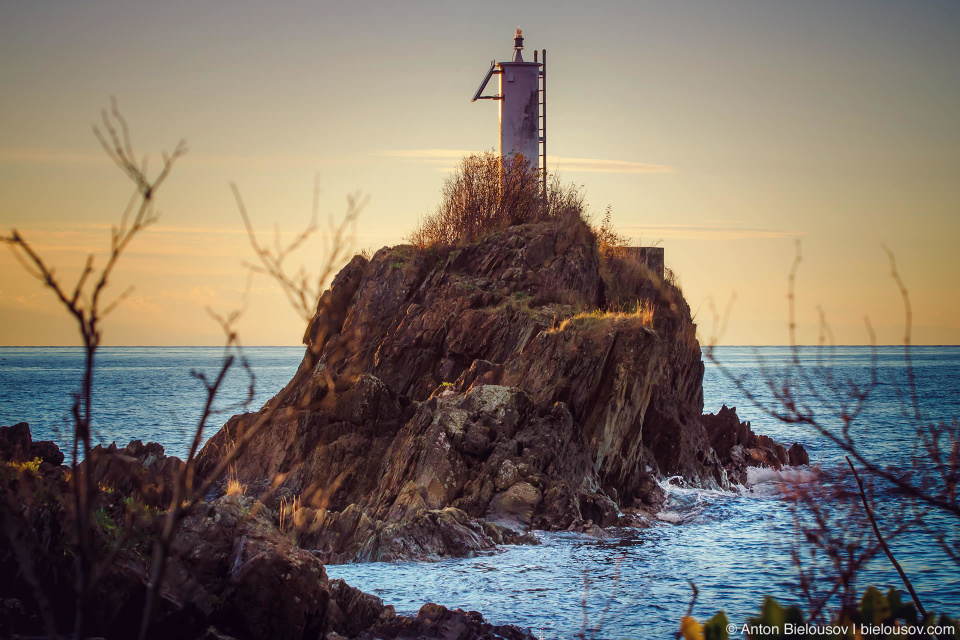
(465, 396)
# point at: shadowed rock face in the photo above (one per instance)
(465, 396)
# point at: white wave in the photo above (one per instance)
(684, 503)
(673, 517)
(764, 481)
(764, 475)
(677, 486)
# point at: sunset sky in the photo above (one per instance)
(725, 130)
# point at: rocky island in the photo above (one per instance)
(463, 398)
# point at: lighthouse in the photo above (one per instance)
(522, 103)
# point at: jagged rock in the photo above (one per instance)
(352, 611)
(230, 573)
(515, 506)
(738, 446)
(213, 634)
(138, 470)
(798, 455)
(631, 394)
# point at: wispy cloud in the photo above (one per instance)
(427, 155)
(184, 230)
(594, 165)
(707, 232)
(264, 161)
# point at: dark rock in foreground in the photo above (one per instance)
(16, 445)
(230, 574)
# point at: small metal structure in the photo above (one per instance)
(523, 105)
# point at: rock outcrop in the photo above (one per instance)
(464, 396)
(16, 444)
(738, 447)
(140, 471)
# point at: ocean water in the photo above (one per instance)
(140, 393)
(734, 545)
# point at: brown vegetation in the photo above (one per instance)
(486, 193)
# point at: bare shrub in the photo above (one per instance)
(610, 244)
(87, 303)
(837, 520)
(555, 288)
(487, 192)
(565, 201)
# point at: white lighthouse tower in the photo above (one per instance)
(522, 103)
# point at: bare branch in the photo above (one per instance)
(883, 543)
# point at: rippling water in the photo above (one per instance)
(142, 393)
(734, 545)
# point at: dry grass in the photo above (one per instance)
(235, 487)
(642, 310)
(293, 515)
(645, 311)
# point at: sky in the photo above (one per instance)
(730, 132)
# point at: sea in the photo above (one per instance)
(736, 546)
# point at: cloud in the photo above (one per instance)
(31, 301)
(592, 165)
(707, 232)
(259, 162)
(204, 295)
(184, 230)
(427, 155)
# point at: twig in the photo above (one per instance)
(693, 601)
(883, 543)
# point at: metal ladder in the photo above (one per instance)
(542, 122)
